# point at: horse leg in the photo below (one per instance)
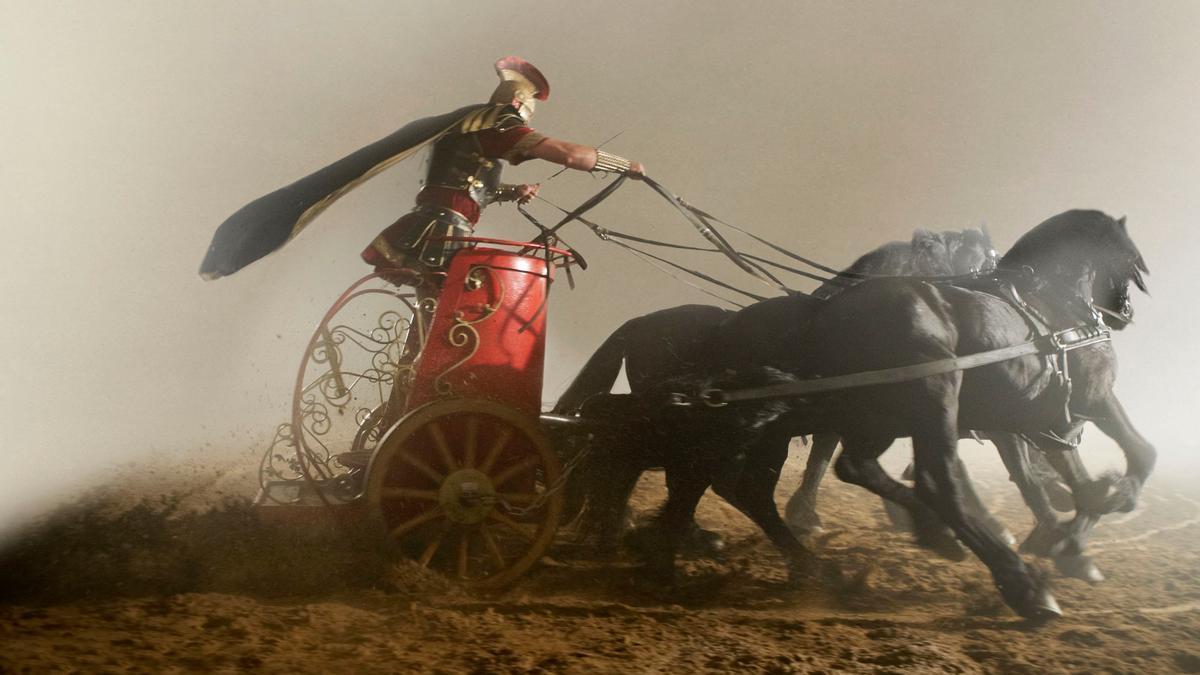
(755, 497)
(1048, 535)
(1014, 452)
(859, 465)
(801, 510)
(975, 503)
(685, 486)
(935, 444)
(1056, 487)
(613, 507)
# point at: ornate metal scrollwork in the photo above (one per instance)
(363, 349)
(462, 332)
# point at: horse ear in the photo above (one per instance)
(1121, 222)
(984, 229)
(1140, 282)
(923, 238)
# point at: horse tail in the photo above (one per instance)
(598, 374)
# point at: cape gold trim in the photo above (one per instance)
(313, 211)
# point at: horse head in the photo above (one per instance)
(972, 251)
(1087, 253)
(952, 253)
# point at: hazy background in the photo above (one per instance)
(129, 130)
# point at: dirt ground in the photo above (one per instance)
(570, 614)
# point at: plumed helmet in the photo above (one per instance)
(525, 75)
(520, 82)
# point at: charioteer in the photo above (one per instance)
(468, 149)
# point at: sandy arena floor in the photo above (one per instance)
(917, 614)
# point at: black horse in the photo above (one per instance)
(669, 343)
(1067, 267)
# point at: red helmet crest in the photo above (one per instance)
(512, 68)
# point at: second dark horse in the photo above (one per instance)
(1066, 266)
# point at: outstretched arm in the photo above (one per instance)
(584, 158)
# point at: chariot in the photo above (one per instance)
(419, 412)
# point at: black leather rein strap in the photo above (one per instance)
(702, 225)
(582, 208)
(1061, 341)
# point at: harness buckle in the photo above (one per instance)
(714, 398)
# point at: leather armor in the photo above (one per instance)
(457, 162)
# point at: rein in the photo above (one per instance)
(703, 225)
(1054, 343)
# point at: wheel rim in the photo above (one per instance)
(357, 358)
(461, 486)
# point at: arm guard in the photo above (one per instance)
(610, 163)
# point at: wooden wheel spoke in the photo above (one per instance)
(492, 547)
(439, 439)
(471, 440)
(432, 548)
(497, 447)
(464, 552)
(515, 470)
(511, 524)
(518, 497)
(416, 521)
(421, 466)
(409, 493)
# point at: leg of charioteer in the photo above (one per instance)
(935, 444)
(801, 510)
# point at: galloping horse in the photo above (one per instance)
(670, 343)
(1066, 268)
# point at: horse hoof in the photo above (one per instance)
(803, 522)
(1007, 537)
(708, 543)
(1043, 608)
(901, 519)
(1078, 567)
(802, 531)
(943, 543)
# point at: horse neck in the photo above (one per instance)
(1063, 299)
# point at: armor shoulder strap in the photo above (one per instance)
(501, 117)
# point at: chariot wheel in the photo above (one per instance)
(467, 487)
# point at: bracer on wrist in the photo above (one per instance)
(610, 163)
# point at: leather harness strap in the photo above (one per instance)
(1061, 341)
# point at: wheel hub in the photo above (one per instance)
(467, 496)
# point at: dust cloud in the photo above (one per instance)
(131, 129)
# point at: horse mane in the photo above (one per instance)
(1074, 237)
(928, 253)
